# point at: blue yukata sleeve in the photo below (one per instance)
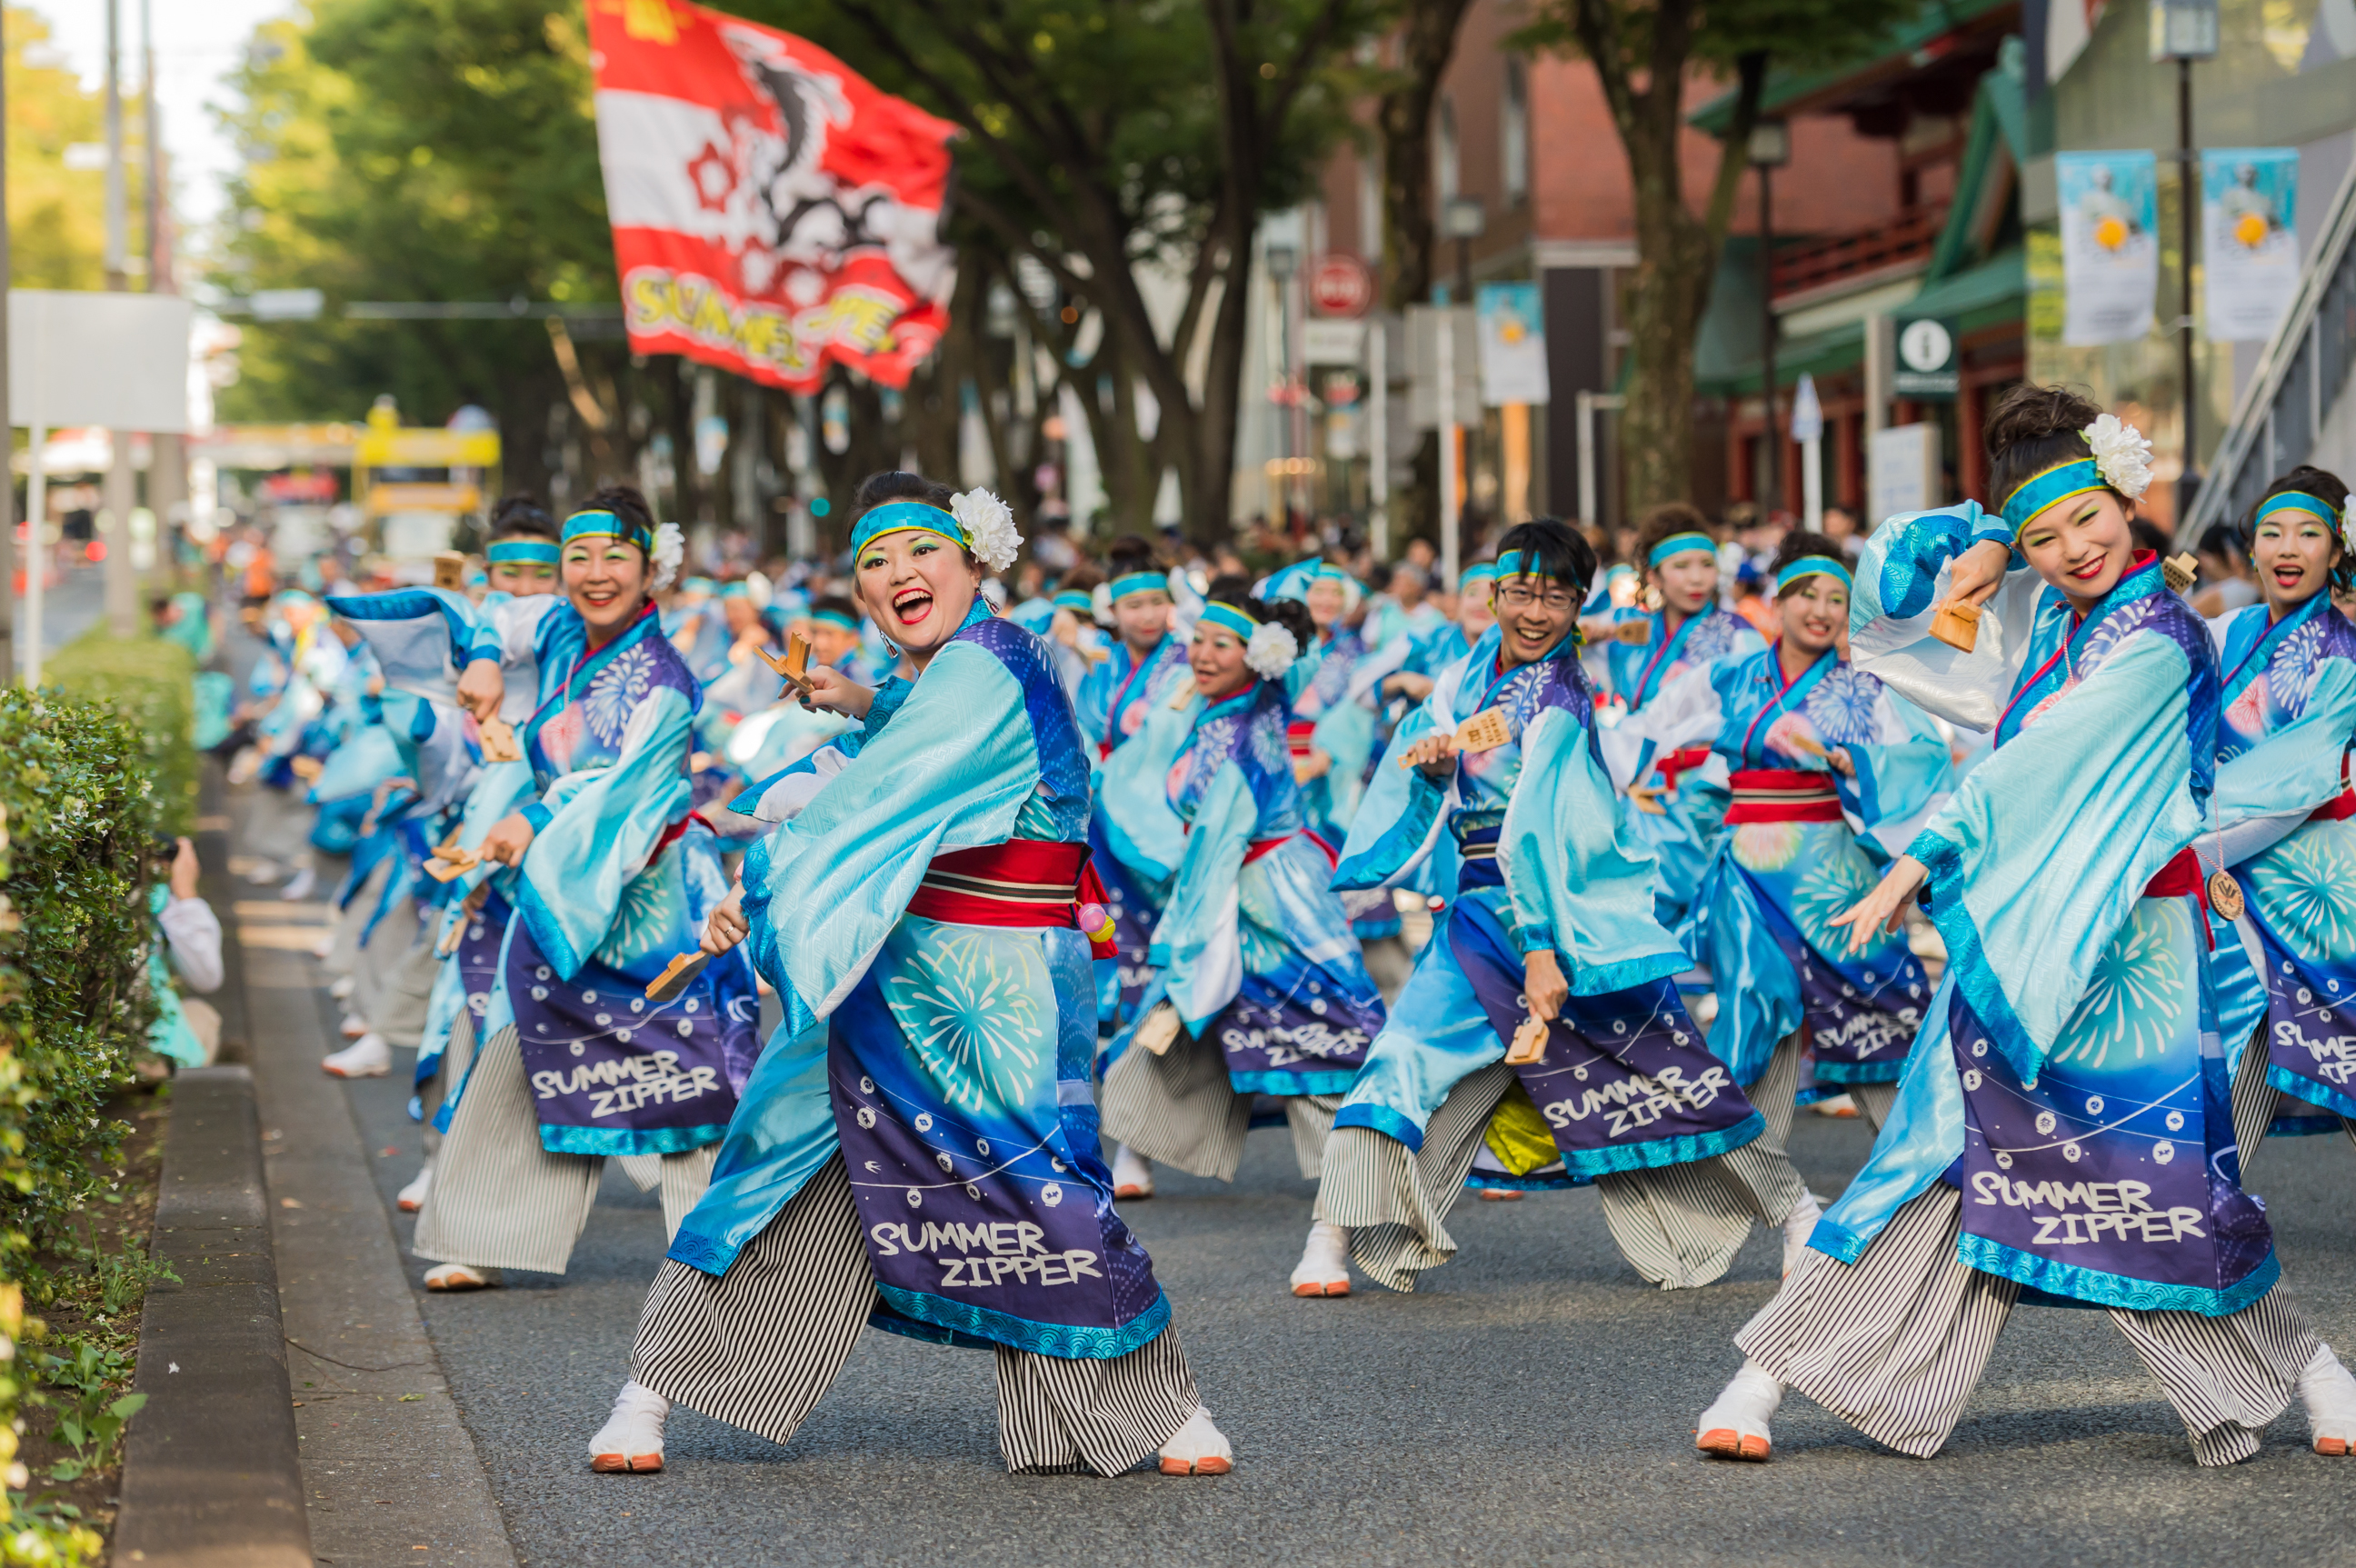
(1577, 887)
(1397, 824)
(1143, 832)
(605, 832)
(1197, 942)
(2039, 856)
(2293, 770)
(1904, 774)
(950, 772)
(422, 637)
(1901, 576)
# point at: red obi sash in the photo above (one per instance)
(1268, 846)
(2341, 807)
(1296, 735)
(1022, 882)
(2182, 875)
(1783, 795)
(1684, 759)
(675, 832)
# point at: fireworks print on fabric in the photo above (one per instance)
(970, 1004)
(2133, 1001)
(616, 691)
(1766, 846)
(2305, 890)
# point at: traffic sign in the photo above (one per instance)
(1339, 285)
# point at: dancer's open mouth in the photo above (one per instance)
(912, 604)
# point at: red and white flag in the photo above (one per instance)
(771, 210)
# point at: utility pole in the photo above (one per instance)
(2183, 31)
(167, 460)
(11, 560)
(120, 493)
(1771, 145)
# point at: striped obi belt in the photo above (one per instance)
(1783, 795)
(2341, 807)
(1022, 882)
(1476, 835)
(1297, 733)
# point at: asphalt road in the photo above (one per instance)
(1532, 1404)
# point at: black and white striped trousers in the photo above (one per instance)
(2256, 1100)
(499, 1200)
(759, 1346)
(1894, 1343)
(1679, 1226)
(1181, 1109)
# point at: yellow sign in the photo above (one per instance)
(427, 448)
(384, 499)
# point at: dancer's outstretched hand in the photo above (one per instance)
(727, 925)
(1543, 985)
(1879, 910)
(835, 693)
(506, 840)
(482, 688)
(1978, 573)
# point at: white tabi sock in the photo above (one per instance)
(632, 1437)
(1325, 1266)
(1131, 1170)
(1197, 1448)
(1798, 1226)
(367, 1057)
(2329, 1394)
(1744, 1408)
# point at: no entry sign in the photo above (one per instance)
(1339, 285)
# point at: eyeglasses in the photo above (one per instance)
(1521, 599)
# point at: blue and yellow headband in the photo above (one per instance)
(1130, 584)
(906, 517)
(1813, 566)
(835, 617)
(735, 588)
(1678, 544)
(1075, 601)
(601, 524)
(1479, 572)
(1233, 617)
(514, 552)
(2057, 484)
(2295, 500)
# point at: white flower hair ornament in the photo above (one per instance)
(2348, 525)
(989, 525)
(670, 549)
(1100, 603)
(2122, 456)
(1271, 650)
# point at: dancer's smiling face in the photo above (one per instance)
(1688, 581)
(2294, 553)
(605, 579)
(918, 586)
(1812, 612)
(1216, 657)
(2081, 546)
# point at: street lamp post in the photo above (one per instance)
(2183, 31)
(1463, 218)
(1284, 261)
(1769, 149)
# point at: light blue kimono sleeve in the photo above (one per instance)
(1141, 828)
(1578, 885)
(1197, 943)
(1399, 817)
(950, 772)
(2039, 856)
(603, 831)
(1688, 710)
(1901, 576)
(2292, 771)
(1904, 774)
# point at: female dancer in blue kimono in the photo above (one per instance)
(1260, 990)
(2063, 1127)
(1550, 941)
(918, 1145)
(1145, 671)
(610, 877)
(1831, 776)
(2285, 808)
(1683, 629)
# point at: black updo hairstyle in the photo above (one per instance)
(520, 516)
(2324, 487)
(1290, 614)
(1798, 545)
(1557, 551)
(1128, 553)
(2033, 428)
(625, 503)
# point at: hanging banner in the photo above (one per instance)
(2249, 240)
(1513, 344)
(2110, 245)
(771, 210)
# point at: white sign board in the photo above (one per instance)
(1423, 365)
(1902, 471)
(116, 359)
(1325, 342)
(1513, 344)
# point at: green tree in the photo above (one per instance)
(57, 216)
(418, 150)
(1645, 53)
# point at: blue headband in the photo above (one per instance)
(1813, 566)
(1072, 600)
(735, 588)
(601, 524)
(508, 551)
(1130, 583)
(906, 517)
(1510, 565)
(1479, 572)
(1678, 544)
(1233, 617)
(835, 617)
(2295, 500)
(2077, 477)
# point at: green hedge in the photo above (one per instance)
(82, 806)
(151, 683)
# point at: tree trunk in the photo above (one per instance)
(681, 416)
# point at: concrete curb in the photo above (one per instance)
(211, 1474)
